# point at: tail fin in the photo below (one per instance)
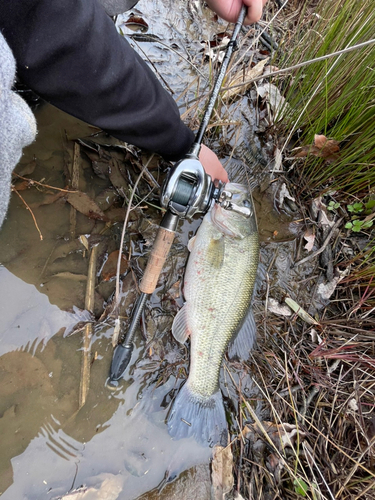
(193, 416)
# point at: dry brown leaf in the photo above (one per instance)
(309, 236)
(245, 76)
(110, 267)
(222, 472)
(282, 435)
(21, 185)
(26, 169)
(116, 214)
(69, 276)
(86, 205)
(276, 308)
(117, 179)
(322, 148)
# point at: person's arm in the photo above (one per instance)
(71, 55)
(17, 125)
(230, 9)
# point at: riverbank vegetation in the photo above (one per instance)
(315, 367)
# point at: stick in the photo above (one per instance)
(74, 183)
(89, 305)
(31, 181)
(31, 212)
(326, 241)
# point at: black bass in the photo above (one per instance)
(218, 287)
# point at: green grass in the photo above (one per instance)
(335, 97)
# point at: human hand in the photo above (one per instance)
(230, 9)
(212, 165)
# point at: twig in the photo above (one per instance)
(314, 391)
(31, 212)
(326, 241)
(31, 181)
(89, 305)
(74, 184)
(116, 331)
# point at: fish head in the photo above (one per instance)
(231, 223)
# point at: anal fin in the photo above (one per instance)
(244, 341)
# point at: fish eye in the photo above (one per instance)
(246, 203)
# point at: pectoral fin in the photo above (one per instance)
(215, 253)
(180, 329)
(191, 243)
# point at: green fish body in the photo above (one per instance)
(218, 288)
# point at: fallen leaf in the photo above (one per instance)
(136, 23)
(272, 94)
(325, 290)
(26, 169)
(282, 435)
(21, 185)
(315, 337)
(117, 179)
(85, 205)
(106, 198)
(110, 267)
(245, 76)
(309, 236)
(116, 214)
(85, 242)
(222, 472)
(322, 148)
(276, 308)
(278, 161)
(284, 193)
(70, 276)
(48, 199)
(300, 312)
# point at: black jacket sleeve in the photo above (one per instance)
(69, 52)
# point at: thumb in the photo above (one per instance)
(212, 165)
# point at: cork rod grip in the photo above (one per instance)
(158, 256)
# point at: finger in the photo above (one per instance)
(254, 11)
(212, 165)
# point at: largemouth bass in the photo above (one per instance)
(218, 287)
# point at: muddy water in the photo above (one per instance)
(117, 443)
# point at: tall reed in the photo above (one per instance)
(335, 97)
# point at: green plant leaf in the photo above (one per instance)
(358, 207)
(333, 205)
(370, 204)
(300, 487)
(348, 225)
(367, 224)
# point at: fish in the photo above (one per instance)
(218, 287)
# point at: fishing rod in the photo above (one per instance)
(187, 191)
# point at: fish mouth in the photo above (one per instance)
(228, 222)
(220, 219)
